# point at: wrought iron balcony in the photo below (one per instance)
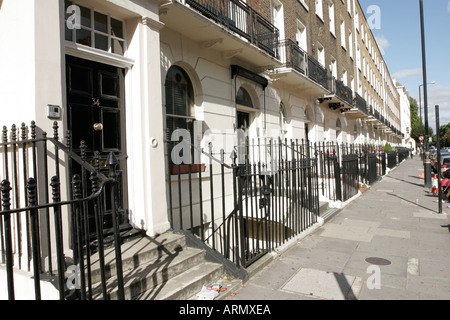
(343, 92)
(293, 57)
(238, 17)
(361, 104)
(300, 70)
(378, 116)
(317, 73)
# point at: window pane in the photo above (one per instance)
(84, 37)
(100, 22)
(117, 46)
(85, 17)
(101, 42)
(116, 28)
(243, 98)
(68, 32)
(179, 92)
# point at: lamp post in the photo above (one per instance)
(420, 105)
(427, 160)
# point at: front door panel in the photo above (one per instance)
(95, 103)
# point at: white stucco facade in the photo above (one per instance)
(34, 76)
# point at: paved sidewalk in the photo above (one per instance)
(388, 244)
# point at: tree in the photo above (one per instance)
(417, 128)
(444, 133)
(446, 139)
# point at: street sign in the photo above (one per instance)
(421, 138)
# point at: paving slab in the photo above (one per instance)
(320, 284)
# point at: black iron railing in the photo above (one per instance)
(350, 176)
(51, 231)
(378, 116)
(266, 196)
(241, 19)
(317, 72)
(343, 92)
(293, 56)
(392, 159)
(361, 104)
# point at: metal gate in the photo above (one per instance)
(350, 176)
(251, 207)
(372, 168)
(275, 206)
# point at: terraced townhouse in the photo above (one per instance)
(101, 89)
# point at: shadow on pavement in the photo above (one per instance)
(412, 202)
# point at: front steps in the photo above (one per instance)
(325, 212)
(159, 268)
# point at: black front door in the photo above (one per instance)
(95, 104)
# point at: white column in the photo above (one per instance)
(145, 133)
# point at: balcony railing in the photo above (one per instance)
(343, 92)
(361, 104)
(378, 116)
(240, 18)
(317, 73)
(293, 57)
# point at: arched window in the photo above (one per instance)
(179, 103)
(243, 98)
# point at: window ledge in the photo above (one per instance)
(302, 2)
(184, 168)
(320, 17)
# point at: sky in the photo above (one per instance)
(398, 36)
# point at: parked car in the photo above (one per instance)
(434, 165)
(445, 163)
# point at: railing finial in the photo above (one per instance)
(77, 191)
(6, 199)
(13, 133)
(23, 131)
(55, 130)
(33, 129)
(4, 134)
(32, 191)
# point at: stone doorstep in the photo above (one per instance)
(157, 268)
(154, 273)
